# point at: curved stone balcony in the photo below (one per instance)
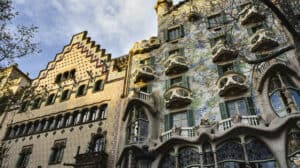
(178, 97)
(263, 40)
(221, 53)
(144, 74)
(251, 16)
(232, 84)
(176, 64)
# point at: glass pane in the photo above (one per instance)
(278, 104)
(296, 98)
(231, 109)
(180, 120)
(257, 151)
(188, 156)
(242, 107)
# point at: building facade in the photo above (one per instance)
(202, 93)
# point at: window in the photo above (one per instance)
(95, 113)
(242, 107)
(72, 73)
(37, 126)
(69, 120)
(86, 115)
(180, 120)
(175, 33)
(30, 128)
(178, 81)
(137, 126)
(279, 86)
(36, 103)
(50, 99)
(24, 106)
(58, 78)
(57, 151)
(77, 117)
(51, 123)
(255, 28)
(24, 157)
(216, 20)
(65, 95)
(66, 75)
(60, 122)
(231, 67)
(103, 109)
(81, 90)
(98, 144)
(98, 85)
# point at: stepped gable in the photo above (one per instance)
(81, 54)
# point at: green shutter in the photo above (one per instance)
(223, 111)
(168, 84)
(224, 17)
(149, 88)
(220, 70)
(250, 106)
(236, 67)
(185, 81)
(167, 122)
(165, 35)
(152, 60)
(181, 31)
(191, 118)
(181, 51)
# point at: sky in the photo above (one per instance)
(114, 24)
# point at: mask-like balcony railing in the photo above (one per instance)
(232, 84)
(262, 41)
(228, 123)
(178, 97)
(222, 53)
(144, 74)
(178, 132)
(176, 64)
(251, 16)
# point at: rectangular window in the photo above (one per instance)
(216, 20)
(57, 151)
(24, 106)
(237, 107)
(175, 33)
(98, 85)
(24, 157)
(180, 119)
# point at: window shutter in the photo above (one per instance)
(224, 17)
(223, 111)
(181, 31)
(220, 70)
(149, 88)
(168, 84)
(191, 118)
(236, 67)
(185, 81)
(152, 60)
(250, 106)
(250, 32)
(167, 122)
(181, 51)
(165, 35)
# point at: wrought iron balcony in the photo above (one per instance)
(222, 53)
(251, 16)
(178, 97)
(178, 132)
(232, 84)
(176, 64)
(262, 41)
(144, 74)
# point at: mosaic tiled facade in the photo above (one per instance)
(190, 97)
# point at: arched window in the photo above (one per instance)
(16, 131)
(293, 148)
(30, 128)
(279, 87)
(98, 144)
(44, 125)
(86, 115)
(259, 154)
(65, 95)
(66, 75)
(137, 127)
(168, 161)
(81, 90)
(72, 73)
(77, 117)
(37, 126)
(95, 113)
(98, 85)
(58, 78)
(103, 109)
(50, 99)
(51, 123)
(230, 154)
(22, 127)
(60, 122)
(188, 156)
(69, 119)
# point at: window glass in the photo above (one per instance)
(50, 99)
(98, 86)
(57, 152)
(180, 119)
(237, 107)
(215, 21)
(99, 144)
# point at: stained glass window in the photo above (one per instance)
(229, 151)
(168, 161)
(257, 151)
(208, 155)
(188, 156)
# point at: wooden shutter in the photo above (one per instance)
(250, 106)
(191, 118)
(165, 35)
(167, 122)
(223, 111)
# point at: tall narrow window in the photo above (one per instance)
(98, 143)
(58, 78)
(72, 73)
(77, 117)
(50, 99)
(66, 75)
(81, 90)
(69, 120)
(86, 115)
(60, 121)
(24, 157)
(36, 103)
(24, 106)
(103, 109)
(98, 85)
(137, 127)
(57, 151)
(65, 95)
(95, 113)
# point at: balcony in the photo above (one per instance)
(232, 84)
(178, 132)
(178, 97)
(176, 64)
(91, 160)
(142, 96)
(144, 74)
(222, 53)
(251, 16)
(228, 123)
(262, 41)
